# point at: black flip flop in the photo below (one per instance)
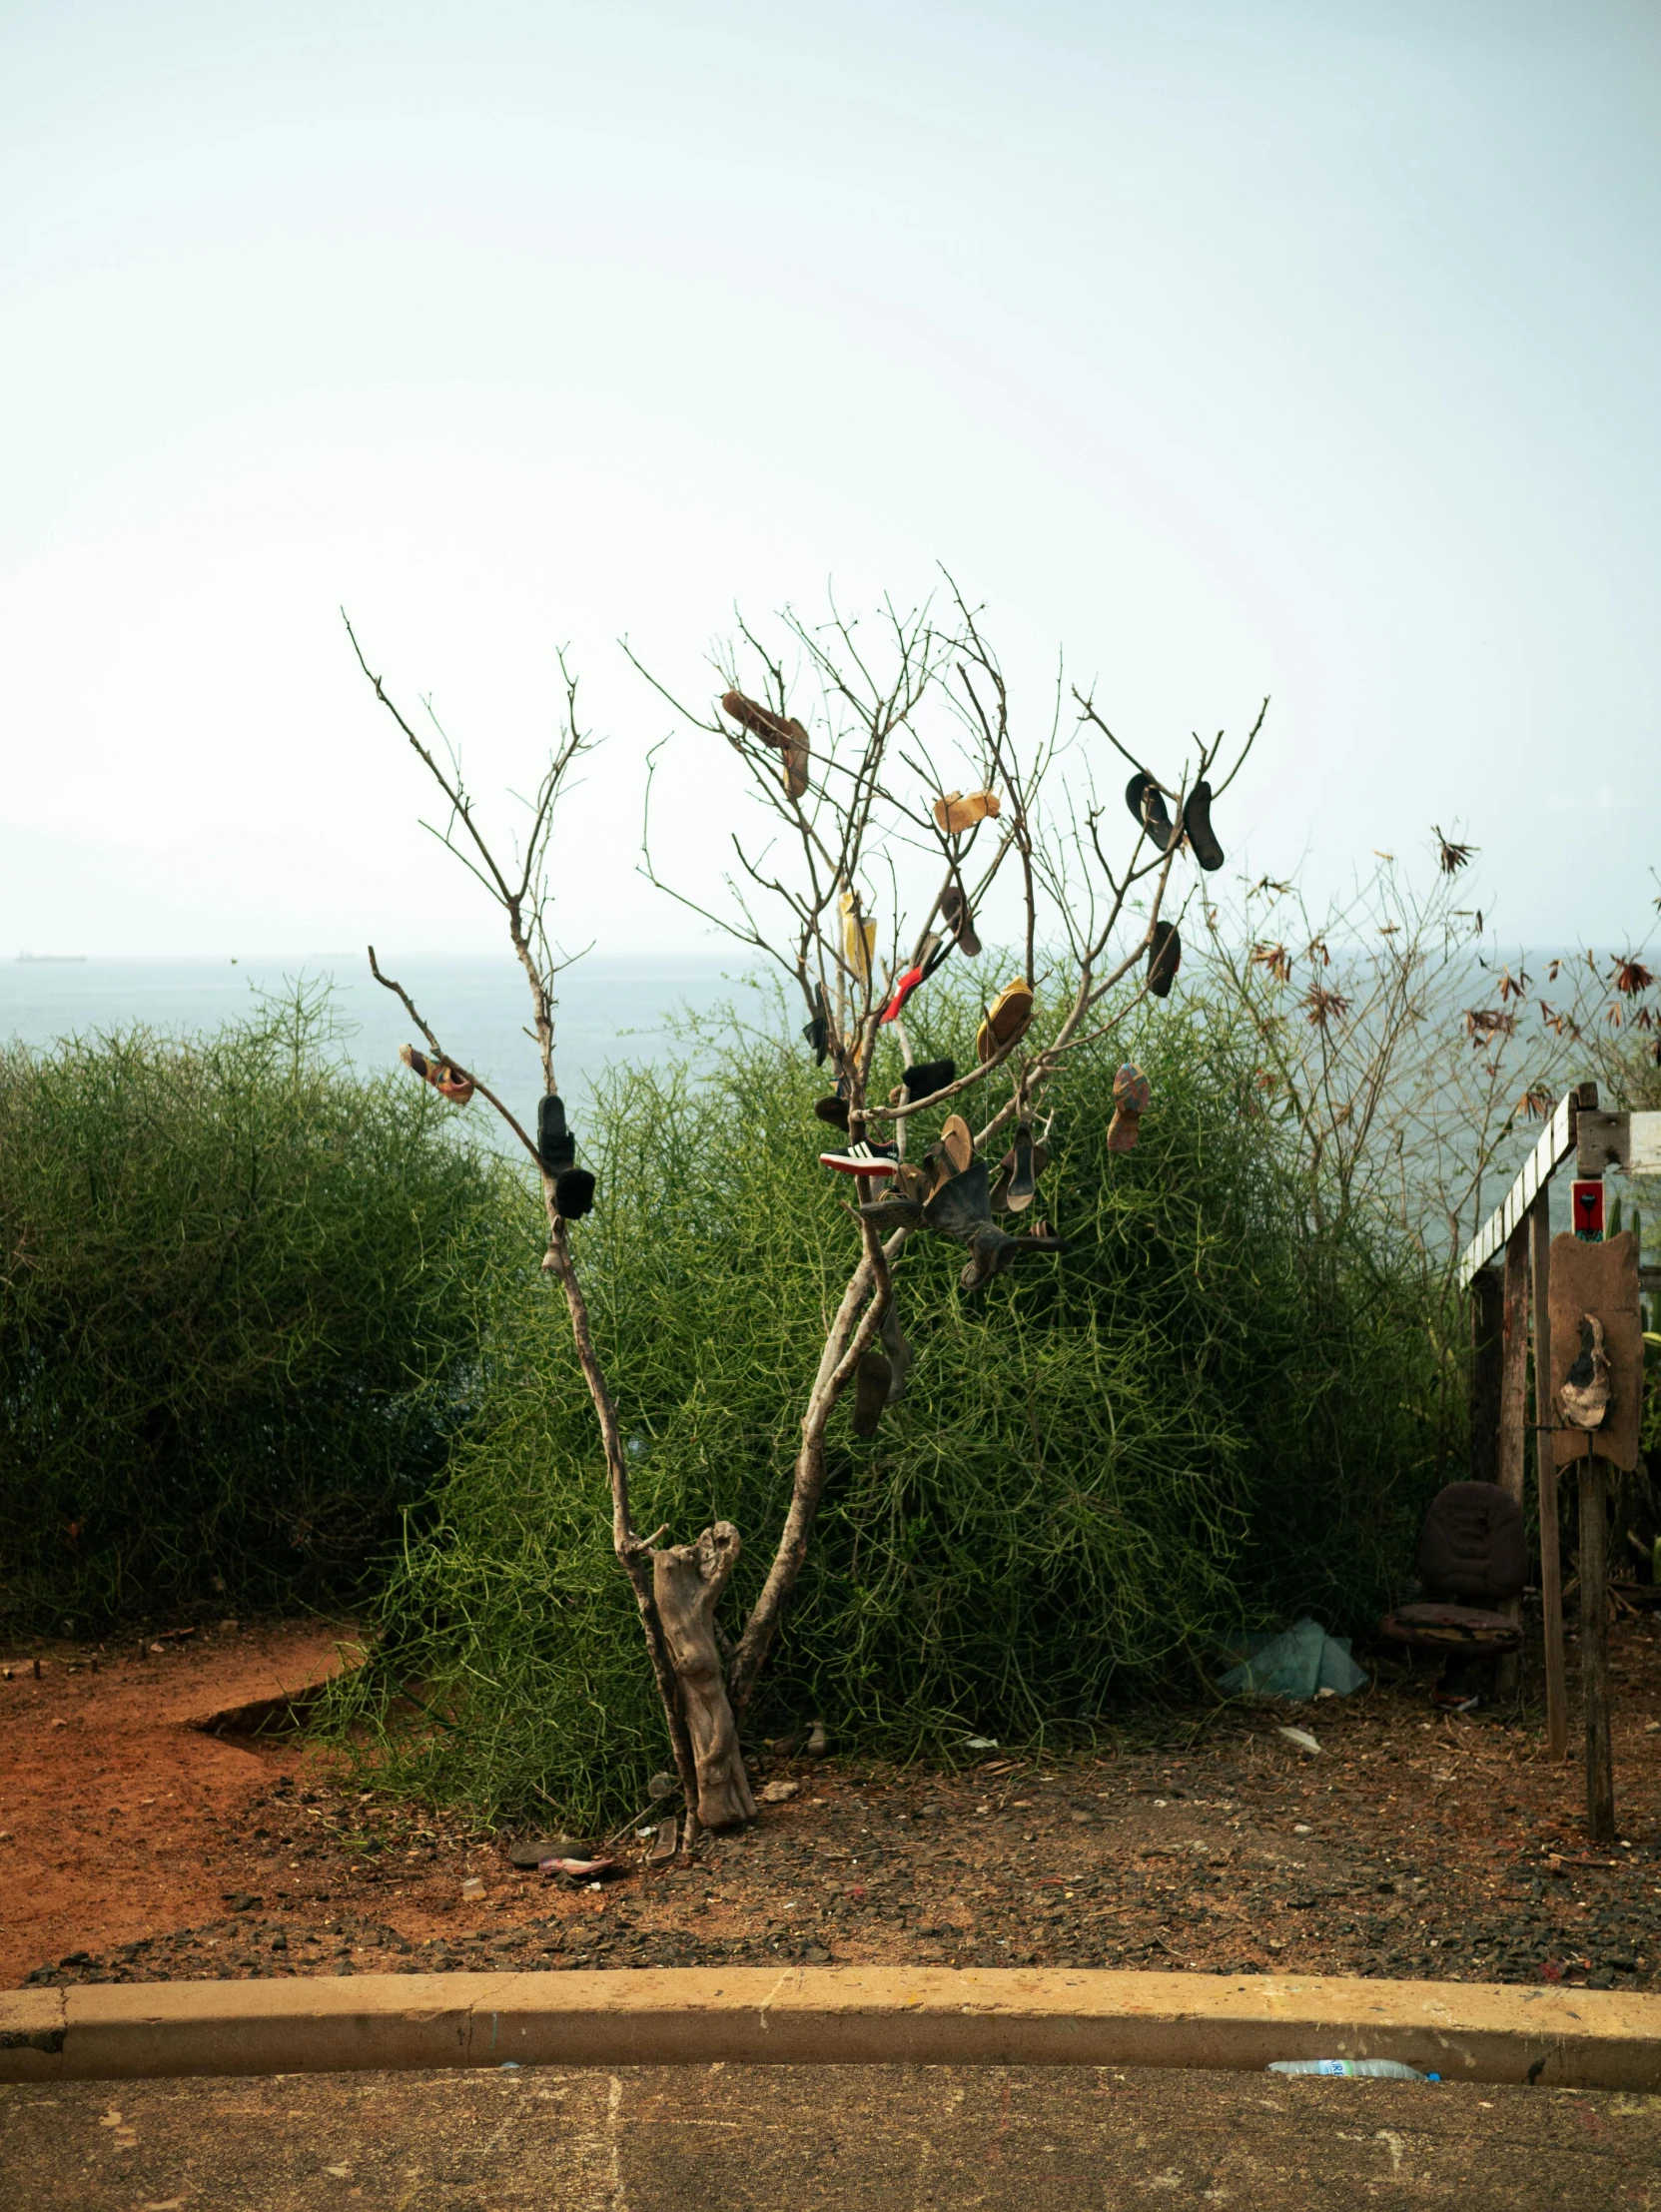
(1165, 957)
(574, 1192)
(555, 1146)
(1147, 803)
(1022, 1187)
(1196, 827)
(816, 1036)
(954, 911)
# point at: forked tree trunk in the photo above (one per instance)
(687, 1581)
(851, 1333)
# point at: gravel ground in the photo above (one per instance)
(1411, 1845)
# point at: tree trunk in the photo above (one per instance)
(687, 1581)
(627, 1546)
(851, 1333)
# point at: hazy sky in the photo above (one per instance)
(1234, 348)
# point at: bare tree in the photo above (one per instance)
(1407, 1056)
(521, 888)
(891, 804)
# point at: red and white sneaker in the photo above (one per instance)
(863, 1159)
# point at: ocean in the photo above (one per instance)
(611, 1012)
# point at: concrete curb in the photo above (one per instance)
(827, 2015)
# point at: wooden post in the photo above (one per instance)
(1597, 1282)
(1546, 1471)
(1594, 1650)
(1486, 1314)
(1513, 1410)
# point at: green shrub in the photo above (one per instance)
(1200, 1416)
(239, 1301)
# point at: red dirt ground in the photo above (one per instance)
(117, 1816)
(1413, 1843)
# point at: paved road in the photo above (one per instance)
(879, 2140)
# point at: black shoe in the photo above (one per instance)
(833, 1111)
(927, 1076)
(555, 1146)
(574, 1194)
(1165, 957)
(873, 1379)
(1006, 1175)
(1196, 827)
(1146, 802)
(816, 1036)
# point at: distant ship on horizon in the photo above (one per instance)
(52, 956)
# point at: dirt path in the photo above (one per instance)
(116, 1815)
(1410, 1844)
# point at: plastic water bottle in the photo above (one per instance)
(1366, 2069)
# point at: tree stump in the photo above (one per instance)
(687, 1581)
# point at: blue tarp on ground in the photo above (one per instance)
(1296, 1663)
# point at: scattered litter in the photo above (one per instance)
(582, 1870)
(779, 1793)
(644, 1834)
(473, 1886)
(1302, 1828)
(982, 1744)
(510, 2066)
(1301, 1736)
(1296, 1664)
(1364, 2069)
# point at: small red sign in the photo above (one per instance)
(1588, 1211)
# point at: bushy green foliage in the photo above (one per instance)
(1201, 1415)
(240, 1303)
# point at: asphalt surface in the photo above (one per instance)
(882, 2139)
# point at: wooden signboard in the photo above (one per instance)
(1601, 1279)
